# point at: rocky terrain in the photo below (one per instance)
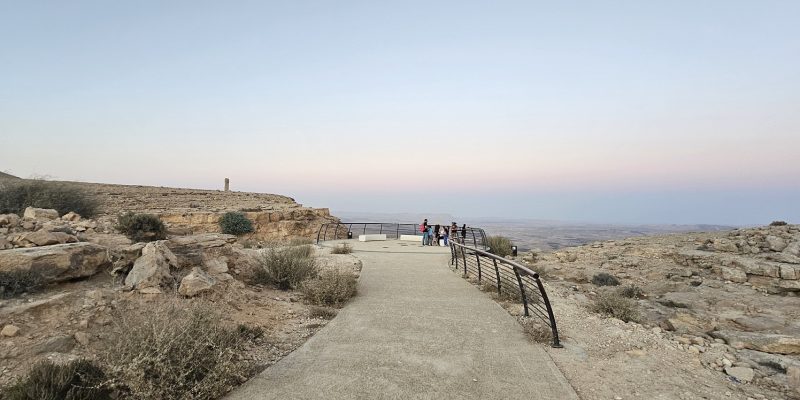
(718, 315)
(82, 274)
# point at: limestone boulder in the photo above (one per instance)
(765, 342)
(775, 243)
(71, 216)
(9, 220)
(58, 262)
(198, 281)
(152, 269)
(40, 213)
(5, 244)
(793, 249)
(45, 238)
(192, 251)
(733, 275)
(754, 266)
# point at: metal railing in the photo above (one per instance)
(511, 280)
(393, 230)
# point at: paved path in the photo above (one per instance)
(415, 330)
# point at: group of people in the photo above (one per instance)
(439, 235)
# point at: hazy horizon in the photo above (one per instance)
(672, 112)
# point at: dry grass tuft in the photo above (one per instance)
(343, 249)
(536, 330)
(286, 267)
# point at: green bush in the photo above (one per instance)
(174, 351)
(343, 249)
(235, 223)
(17, 195)
(141, 227)
(605, 279)
(77, 380)
(286, 267)
(14, 283)
(332, 287)
(778, 223)
(499, 245)
(612, 304)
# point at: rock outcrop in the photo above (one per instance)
(56, 263)
(153, 268)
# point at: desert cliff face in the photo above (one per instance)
(193, 211)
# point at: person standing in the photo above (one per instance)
(464, 231)
(436, 235)
(454, 231)
(430, 235)
(423, 227)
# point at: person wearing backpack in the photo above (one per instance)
(423, 227)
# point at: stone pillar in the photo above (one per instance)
(227, 184)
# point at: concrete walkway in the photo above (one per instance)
(415, 330)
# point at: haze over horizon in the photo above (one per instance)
(631, 112)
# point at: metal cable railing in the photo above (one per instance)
(392, 230)
(511, 280)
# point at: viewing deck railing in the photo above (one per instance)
(392, 230)
(511, 280)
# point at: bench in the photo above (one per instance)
(371, 238)
(411, 238)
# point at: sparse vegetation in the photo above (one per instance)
(499, 245)
(172, 352)
(613, 304)
(536, 330)
(286, 267)
(344, 248)
(321, 312)
(14, 283)
(76, 380)
(141, 227)
(631, 291)
(17, 195)
(250, 333)
(778, 223)
(605, 279)
(299, 241)
(235, 223)
(332, 287)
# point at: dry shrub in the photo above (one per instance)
(141, 227)
(631, 291)
(499, 245)
(15, 196)
(605, 279)
(286, 267)
(536, 330)
(321, 312)
(16, 282)
(343, 249)
(332, 287)
(173, 352)
(778, 223)
(300, 241)
(76, 380)
(612, 304)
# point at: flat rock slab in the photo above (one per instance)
(416, 330)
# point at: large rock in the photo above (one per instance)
(757, 267)
(198, 281)
(44, 238)
(40, 213)
(152, 269)
(742, 374)
(9, 220)
(793, 249)
(56, 263)
(733, 275)
(192, 251)
(57, 344)
(766, 342)
(775, 243)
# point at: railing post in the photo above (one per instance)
(319, 231)
(397, 235)
(556, 342)
(497, 273)
(522, 292)
(478, 258)
(464, 257)
(380, 231)
(325, 235)
(474, 241)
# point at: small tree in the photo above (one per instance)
(235, 223)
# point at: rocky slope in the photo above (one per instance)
(728, 301)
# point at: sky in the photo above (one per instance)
(614, 111)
